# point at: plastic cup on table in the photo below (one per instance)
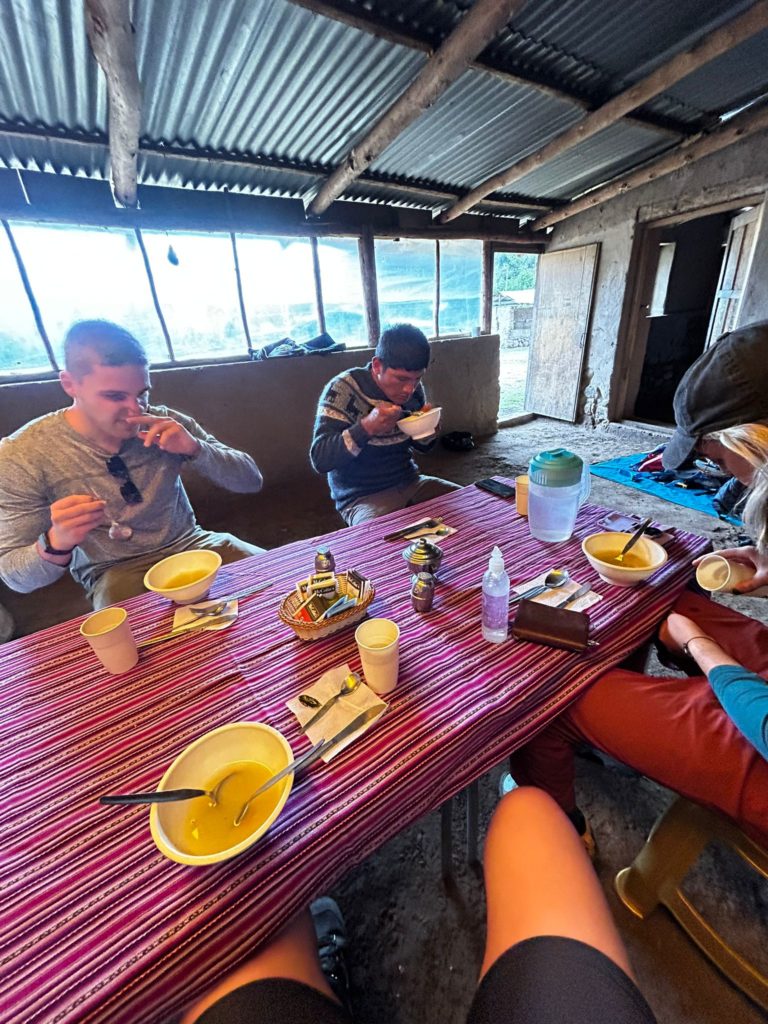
(521, 494)
(111, 639)
(378, 641)
(718, 575)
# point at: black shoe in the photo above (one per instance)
(331, 942)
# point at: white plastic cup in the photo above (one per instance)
(717, 574)
(378, 641)
(111, 639)
(521, 494)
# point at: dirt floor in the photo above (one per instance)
(416, 945)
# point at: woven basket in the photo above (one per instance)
(318, 630)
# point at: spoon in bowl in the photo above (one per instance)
(633, 539)
(165, 796)
(555, 578)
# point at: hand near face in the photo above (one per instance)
(73, 518)
(166, 433)
(746, 556)
(382, 419)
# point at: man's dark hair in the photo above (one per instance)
(111, 344)
(403, 347)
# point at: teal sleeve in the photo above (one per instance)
(744, 696)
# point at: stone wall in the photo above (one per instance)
(737, 172)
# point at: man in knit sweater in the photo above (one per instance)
(356, 440)
(94, 489)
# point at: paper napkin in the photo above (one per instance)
(557, 594)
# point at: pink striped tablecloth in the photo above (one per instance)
(96, 924)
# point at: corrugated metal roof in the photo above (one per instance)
(235, 82)
(479, 125)
(605, 155)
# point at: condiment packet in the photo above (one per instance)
(184, 615)
(555, 595)
(342, 712)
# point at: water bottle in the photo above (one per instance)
(495, 599)
(558, 483)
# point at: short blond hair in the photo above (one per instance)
(90, 342)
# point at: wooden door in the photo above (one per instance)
(564, 285)
(733, 275)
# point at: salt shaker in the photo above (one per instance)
(423, 591)
(324, 560)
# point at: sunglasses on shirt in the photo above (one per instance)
(128, 489)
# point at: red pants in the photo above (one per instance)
(673, 730)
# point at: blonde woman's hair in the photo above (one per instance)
(750, 441)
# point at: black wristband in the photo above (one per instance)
(45, 544)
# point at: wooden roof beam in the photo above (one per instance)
(714, 45)
(477, 28)
(110, 33)
(737, 128)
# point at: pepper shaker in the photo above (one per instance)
(423, 591)
(324, 560)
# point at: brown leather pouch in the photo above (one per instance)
(555, 627)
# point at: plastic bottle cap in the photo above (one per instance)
(496, 561)
(556, 468)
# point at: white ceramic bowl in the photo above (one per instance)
(422, 424)
(163, 575)
(197, 765)
(600, 546)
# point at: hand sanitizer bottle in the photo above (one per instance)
(495, 600)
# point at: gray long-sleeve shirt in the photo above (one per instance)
(46, 460)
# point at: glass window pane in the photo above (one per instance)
(86, 274)
(342, 291)
(405, 273)
(278, 288)
(460, 285)
(21, 347)
(196, 284)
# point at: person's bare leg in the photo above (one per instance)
(291, 954)
(539, 881)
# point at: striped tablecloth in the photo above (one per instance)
(96, 924)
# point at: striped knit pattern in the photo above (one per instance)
(95, 925)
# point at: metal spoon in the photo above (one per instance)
(555, 578)
(165, 796)
(349, 685)
(634, 539)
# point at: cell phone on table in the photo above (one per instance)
(496, 487)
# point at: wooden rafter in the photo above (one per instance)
(110, 33)
(367, 23)
(737, 128)
(478, 27)
(714, 45)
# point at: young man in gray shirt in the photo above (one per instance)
(94, 489)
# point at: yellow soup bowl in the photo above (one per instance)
(236, 758)
(642, 561)
(184, 577)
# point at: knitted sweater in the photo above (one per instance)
(357, 464)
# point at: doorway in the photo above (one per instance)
(514, 287)
(691, 274)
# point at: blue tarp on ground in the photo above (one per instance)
(622, 471)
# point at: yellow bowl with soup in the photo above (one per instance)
(642, 561)
(238, 759)
(184, 577)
